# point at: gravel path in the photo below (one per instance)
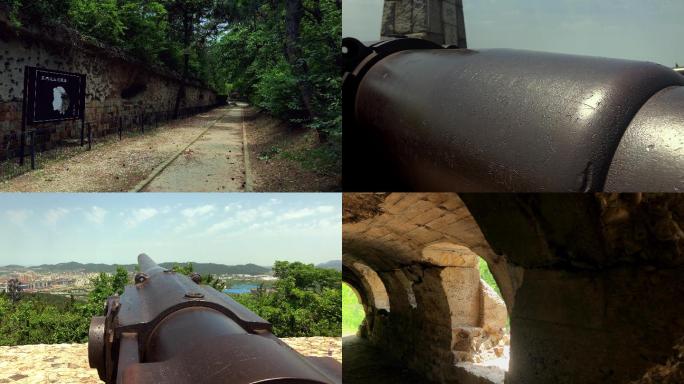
(113, 165)
(213, 163)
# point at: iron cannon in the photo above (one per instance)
(167, 328)
(420, 116)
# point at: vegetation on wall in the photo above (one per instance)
(487, 276)
(282, 56)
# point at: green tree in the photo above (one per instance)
(101, 20)
(305, 301)
(207, 279)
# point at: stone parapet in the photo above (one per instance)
(68, 363)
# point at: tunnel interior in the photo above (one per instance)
(572, 271)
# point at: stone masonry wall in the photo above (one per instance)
(440, 21)
(424, 248)
(68, 363)
(108, 73)
(593, 283)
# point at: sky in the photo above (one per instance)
(650, 30)
(226, 228)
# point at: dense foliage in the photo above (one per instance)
(305, 301)
(47, 319)
(280, 55)
(487, 276)
(352, 311)
(283, 55)
(207, 279)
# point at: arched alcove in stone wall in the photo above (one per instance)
(593, 283)
(425, 249)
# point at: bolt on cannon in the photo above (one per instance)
(169, 328)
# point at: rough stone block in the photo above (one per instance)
(420, 16)
(493, 312)
(449, 255)
(403, 20)
(400, 226)
(435, 16)
(422, 235)
(427, 216)
(388, 18)
(450, 34)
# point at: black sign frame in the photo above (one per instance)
(76, 84)
(35, 80)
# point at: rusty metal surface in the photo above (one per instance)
(169, 329)
(129, 354)
(236, 359)
(180, 329)
(491, 120)
(165, 290)
(650, 157)
(96, 344)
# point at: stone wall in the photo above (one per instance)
(440, 312)
(593, 283)
(68, 363)
(110, 73)
(440, 21)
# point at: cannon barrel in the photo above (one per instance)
(166, 328)
(419, 116)
(145, 263)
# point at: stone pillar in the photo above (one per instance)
(440, 21)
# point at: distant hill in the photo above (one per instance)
(202, 268)
(332, 264)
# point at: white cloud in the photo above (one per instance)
(198, 211)
(95, 214)
(139, 215)
(193, 215)
(53, 215)
(18, 216)
(325, 208)
(241, 217)
(305, 212)
(232, 207)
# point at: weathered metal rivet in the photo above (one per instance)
(196, 277)
(194, 295)
(141, 277)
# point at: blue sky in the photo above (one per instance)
(650, 30)
(227, 228)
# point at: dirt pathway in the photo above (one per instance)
(212, 163)
(115, 165)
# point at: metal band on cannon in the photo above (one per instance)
(169, 329)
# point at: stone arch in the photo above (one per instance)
(425, 248)
(592, 283)
(370, 283)
(411, 221)
(372, 292)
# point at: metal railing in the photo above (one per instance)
(22, 151)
